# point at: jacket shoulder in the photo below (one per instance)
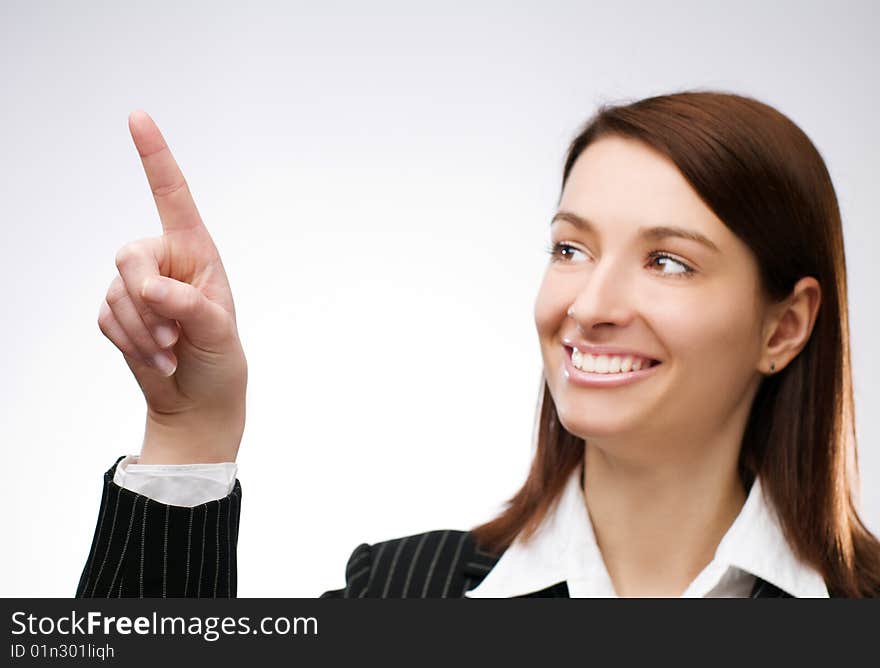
(444, 563)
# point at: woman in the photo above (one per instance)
(696, 432)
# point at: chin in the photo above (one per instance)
(585, 424)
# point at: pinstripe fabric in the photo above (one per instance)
(124, 550)
(202, 551)
(143, 548)
(85, 580)
(436, 564)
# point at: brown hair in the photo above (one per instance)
(764, 178)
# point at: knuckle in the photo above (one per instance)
(169, 189)
(130, 251)
(117, 291)
(104, 326)
(124, 255)
(113, 335)
(105, 316)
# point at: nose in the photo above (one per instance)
(605, 298)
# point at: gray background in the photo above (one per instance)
(379, 179)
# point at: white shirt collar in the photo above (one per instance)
(564, 548)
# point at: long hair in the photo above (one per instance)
(763, 177)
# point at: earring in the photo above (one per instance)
(569, 313)
(772, 367)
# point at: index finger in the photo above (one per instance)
(177, 210)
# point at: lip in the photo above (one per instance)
(587, 379)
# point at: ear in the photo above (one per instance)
(789, 324)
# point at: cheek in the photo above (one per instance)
(717, 334)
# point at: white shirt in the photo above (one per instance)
(564, 547)
(177, 484)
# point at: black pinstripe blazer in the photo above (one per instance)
(143, 548)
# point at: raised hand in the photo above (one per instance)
(171, 314)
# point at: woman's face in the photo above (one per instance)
(616, 284)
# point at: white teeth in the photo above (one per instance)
(606, 363)
(581, 361)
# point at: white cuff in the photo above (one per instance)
(184, 485)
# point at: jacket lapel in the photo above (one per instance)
(476, 563)
(764, 589)
(559, 590)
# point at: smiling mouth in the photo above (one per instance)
(608, 365)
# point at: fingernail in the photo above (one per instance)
(162, 362)
(164, 335)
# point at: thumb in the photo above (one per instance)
(206, 324)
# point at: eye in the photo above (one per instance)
(666, 260)
(561, 252)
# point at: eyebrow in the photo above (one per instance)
(653, 233)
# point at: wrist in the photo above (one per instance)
(172, 440)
